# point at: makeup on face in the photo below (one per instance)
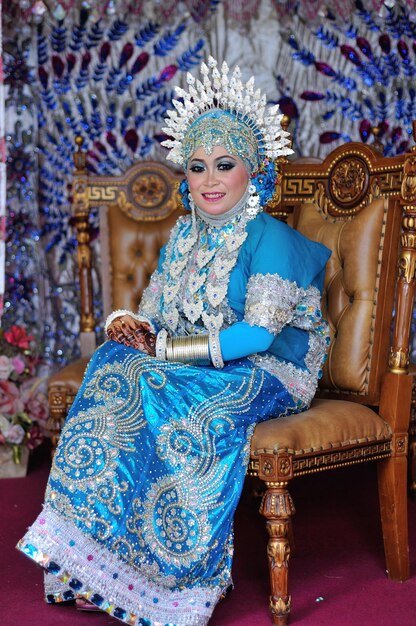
(217, 181)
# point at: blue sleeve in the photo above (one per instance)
(281, 250)
(284, 261)
(241, 339)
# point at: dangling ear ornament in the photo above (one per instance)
(253, 202)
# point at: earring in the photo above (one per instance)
(191, 202)
(253, 202)
(193, 214)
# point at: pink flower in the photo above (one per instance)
(31, 364)
(15, 434)
(35, 402)
(10, 401)
(18, 364)
(35, 435)
(6, 367)
(18, 337)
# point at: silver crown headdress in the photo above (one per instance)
(222, 92)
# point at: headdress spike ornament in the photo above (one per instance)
(218, 91)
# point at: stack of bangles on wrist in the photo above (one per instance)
(189, 348)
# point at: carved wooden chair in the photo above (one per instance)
(355, 202)
(363, 207)
(136, 213)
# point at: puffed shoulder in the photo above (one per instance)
(276, 248)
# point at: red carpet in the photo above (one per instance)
(336, 577)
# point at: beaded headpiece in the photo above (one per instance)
(222, 110)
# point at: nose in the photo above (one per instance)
(211, 176)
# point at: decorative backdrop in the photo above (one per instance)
(2, 171)
(105, 70)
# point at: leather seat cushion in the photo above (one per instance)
(70, 376)
(326, 425)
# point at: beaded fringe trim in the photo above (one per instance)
(87, 569)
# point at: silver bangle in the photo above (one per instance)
(187, 349)
(215, 350)
(161, 339)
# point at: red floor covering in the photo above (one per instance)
(337, 575)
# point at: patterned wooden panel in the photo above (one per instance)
(147, 191)
(344, 184)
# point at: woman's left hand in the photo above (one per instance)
(130, 332)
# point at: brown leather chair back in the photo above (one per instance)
(350, 203)
(136, 213)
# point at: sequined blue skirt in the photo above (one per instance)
(139, 507)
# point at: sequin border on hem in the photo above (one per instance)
(64, 551)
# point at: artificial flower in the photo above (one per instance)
(18, 364)
(6, 367)
(35, 402)
(34, 436)
(10, 400)
(18, 337)
(14, 434)
(23, 403)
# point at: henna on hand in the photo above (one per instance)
(130, 332)
(150, 343)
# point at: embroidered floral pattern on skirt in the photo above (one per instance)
(139, 506)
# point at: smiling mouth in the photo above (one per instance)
(212, 197)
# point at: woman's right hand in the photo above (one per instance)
(130, 332)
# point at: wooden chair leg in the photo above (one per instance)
(392, 485)
(413, 467)
(57, 413)
(277, 507)
(412, 441)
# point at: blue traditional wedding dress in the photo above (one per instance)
(139, 507)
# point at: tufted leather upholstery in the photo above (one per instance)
(327, 425)
(133, 253)
(351, 287)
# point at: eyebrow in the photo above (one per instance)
(224, 156)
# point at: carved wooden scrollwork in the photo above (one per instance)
(277, 507)
(278, 553)
(276, 467)
(284, 466)
(267, 468)
(149, 190)
(103, 195)
(150, 196)
(277, 502)
(400, 444)
(399, 360)
(80, 209)
(348, 181)
(399, 353)
(407, 265)
(280, 606)
(348, 184)
(408, 190)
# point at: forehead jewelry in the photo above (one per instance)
(218, 90)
